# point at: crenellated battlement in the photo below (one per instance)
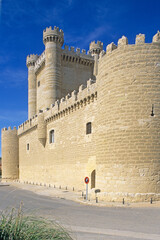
(53, 35)
(72, 102)
(78, 56)
(9, 129)
(156, 37)
(62, 107)
(95, 47)
(31, 59)
(123, 42)
(80, 52)
(40, 62)
(28, 124)
(69, 55)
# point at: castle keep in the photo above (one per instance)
(94, 114)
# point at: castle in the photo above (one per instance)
(94, 114)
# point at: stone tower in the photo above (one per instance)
(10, 160)
(53, 40)
(30, 62)
(128, 132)
(95, 49)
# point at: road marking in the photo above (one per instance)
(113, 232)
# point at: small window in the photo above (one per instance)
(27, 146)
(89, 128)
(51, 136)
(39, 83)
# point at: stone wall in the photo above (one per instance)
(40, 84)
(10, 153)
(124, 109)
(76, 68)
(72, 156)
(128, 123)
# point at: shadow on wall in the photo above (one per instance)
(93, 179)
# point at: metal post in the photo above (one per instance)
(86, 191)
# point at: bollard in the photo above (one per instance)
(123, 201)
(66, 188)
(82, 194)
(151, 201)
(54, 186)
(60, 187)
(73, 188)
(96, 199)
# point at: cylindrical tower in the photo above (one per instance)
(128, 121)
(53, 40)
(41, 129)
(30, 62)
(10, 156)
(95, 49)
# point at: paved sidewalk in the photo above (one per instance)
(75, 196)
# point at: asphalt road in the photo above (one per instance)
(87, 222)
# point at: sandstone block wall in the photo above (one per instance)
(71, 157)
(56, 72)
(73, 74)
(32, 91)
(10, 154)
(128, 123)
(122, 154)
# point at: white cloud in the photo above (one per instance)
(95, 34)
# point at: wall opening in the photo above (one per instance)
(93, 179)
(51, 136)
(89, 128)
(27, 146)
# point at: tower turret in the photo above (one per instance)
(95, 49)
(10, 157)
(30, 62)
(53, 40)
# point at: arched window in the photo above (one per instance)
(51, 136)
(89, 128)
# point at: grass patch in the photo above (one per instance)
(16, 226)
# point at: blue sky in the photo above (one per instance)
(21, 29)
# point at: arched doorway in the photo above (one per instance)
(93, 179)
